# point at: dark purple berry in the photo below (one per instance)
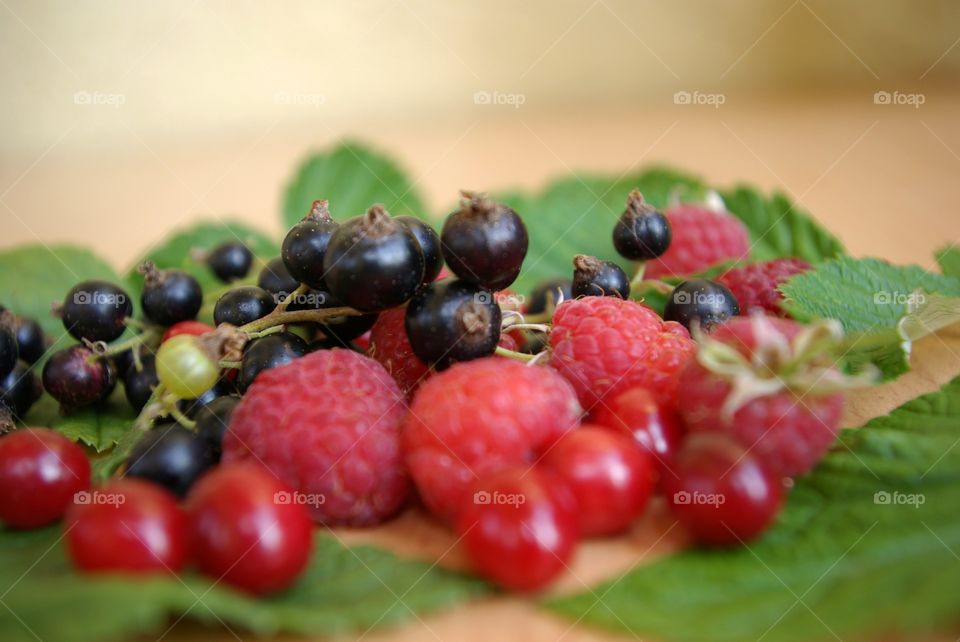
(171, 456)
(169, 296)
(269, 352)
(19, 389)
(593, 277)
(223, 388)
(212, 422)
(230, 261)
(429, 242)
(242, 305)
(707, 303)
(96, 310)
(31, 340)
(641, 233)
(138, 385)
(76, 377)
(306, 244)
(275, 279)
(548, 294)
(9, 352)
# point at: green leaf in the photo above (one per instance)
(867, 544)
(343, 590)
(352, 177)
(949, 260)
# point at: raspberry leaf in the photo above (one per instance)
(866, 545)
(948, 258)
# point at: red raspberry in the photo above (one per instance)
(328, 425)
(604, 345)
(701, 237)
(755, 286)
(787, 429)
(477, 418)
(390, 346)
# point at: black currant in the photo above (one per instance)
(306, 243)
(275, 279)
(230, 261)
(451, 320)
(169, 296)
(593, 277)
(373, 262)
(535, 343)
(484, 242)
(548, 294)
(223, 388)
(138, 385)
(31, 340)
(9, 352)
(339, 330)
(641, 233)
(212, 422)
(19, 389)
(708, 303)
(76, 377)
(171, 456)
(268, 352)
(429, 242)
(96, 310)
(242, 305)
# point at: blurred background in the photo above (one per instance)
(125, 119)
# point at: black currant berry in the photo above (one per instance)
(593, 277)
(641, 233)
(451, 320)
(169, 296)
(484, 242)
(275, 279)
(212, 422)
(9, 352)
(339, 330)
(76, 377)
(171, 456)
(223, 388)
(230, 261)
(548, 294)
(138, 385)
(708, 303)
(373, 262)
(535, 343)
(96, 310)
(306, 243)
(242, 305)
(31, 340)
(269, 352)
(429, 242)
(19, 389)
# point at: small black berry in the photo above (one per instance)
(708, 303)
(429, 242)
(593, 277)
(171, 456)
(641, 233)
(451, 320)
(223, 388)
(548, 294)
(96, 310)
(268, 352)
(230, 261)
(19, 389)
(306, 243)
(31, 340)
(138, 385)
(9, 351)
(242, 305)
(169, 296)
(75, 377)
(484, 242)
(212, 422)
(276, 279)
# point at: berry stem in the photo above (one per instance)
(171, 404)
(148, 336)
(513, 354)
(229, 365)
(263, 333)
(651, 284)
(285, 317)
(283, 305)
(538, 327)
(637, 280)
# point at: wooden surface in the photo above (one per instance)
(882, 177)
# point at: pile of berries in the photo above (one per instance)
(376, 360)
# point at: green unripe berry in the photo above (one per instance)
(184, 367)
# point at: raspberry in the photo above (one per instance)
(789, 427)
(328, 425)
(478, 418)
(755, 286)
(604, 345)
(701, 237)
(390, 346)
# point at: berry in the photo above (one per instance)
(40, 471)
(548, 294)
(641, 233)
(340, 330)
(31, 341)
(451, 320)
(477, 418)
(756, 401)
(328, 425)
(707, 303)
(520, 529)
(223, 388)
(96, 311)
(373, 262)
(127, 526)
(484, 242)
(390, 346)
(276, 279)
(171, 456)
(604, 345)
(305, 245)
(611, 477)
(138, 385)
(185, 368)
(755, 286)
(212, 422)
(593, 277)
(247, 529)
(195, 328)
(269, 352)
(242, 305)
(635, 412)
(76, 377)
(429, 243)
(19, 389)
(169, 296)
(720, 492)
(702, 237)
(9, 352)
(230, 261)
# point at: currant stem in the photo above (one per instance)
(285, 317)
(256, 335)
(513, 354)
(637, 280)
(651, 284)
(149, 335)
(230, 365)
(182, 419)
(538, 327)
(283, 305)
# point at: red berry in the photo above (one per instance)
(477, 418)
(637, 413)
(720, 493)
(755, 286)
(611, 477)
(604, 345)
(328, 424)
(40, 471)
(249, 529)
(702, 237)
(196, 328)
(519, 527)
(508, 341)
(390, 346)
(128, 525)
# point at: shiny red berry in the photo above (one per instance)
(636, 412)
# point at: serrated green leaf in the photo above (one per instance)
(352, 177)
(948, 258)
(866, 544)
(99, 427)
